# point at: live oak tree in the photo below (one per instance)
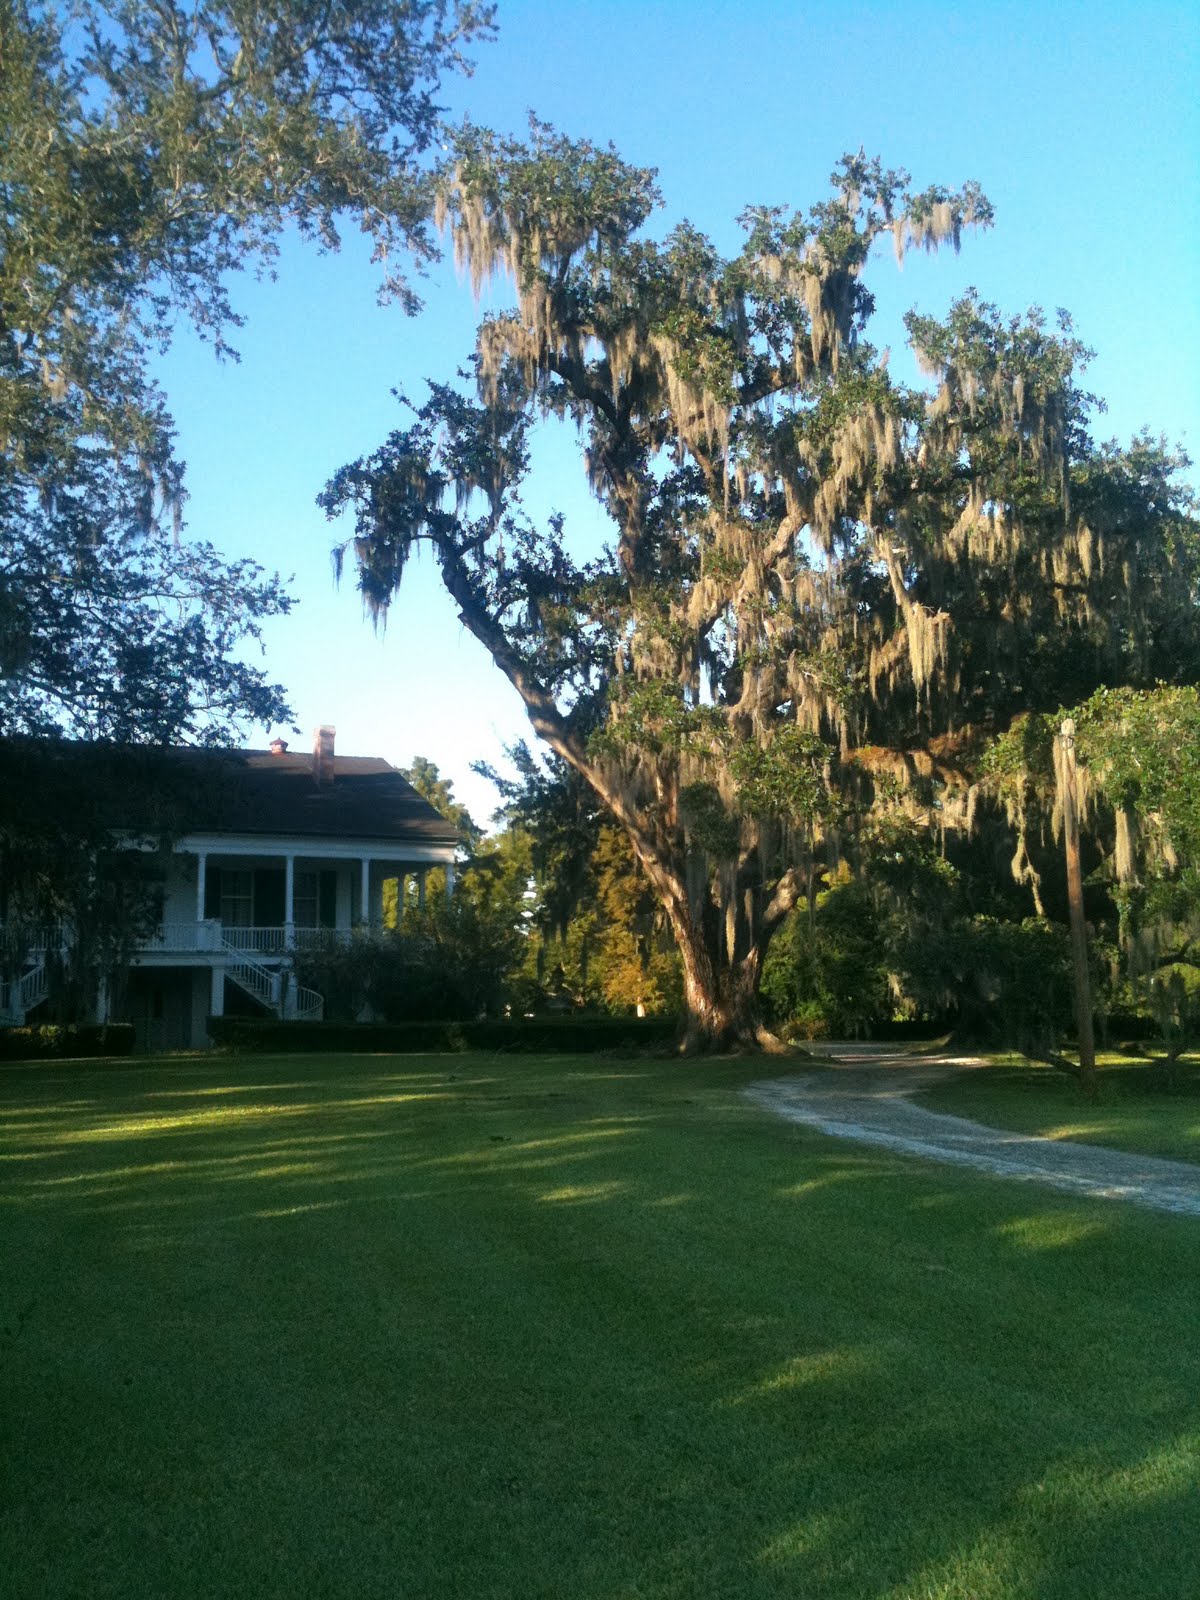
(825, 588)
(149, 150)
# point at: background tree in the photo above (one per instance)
(1138, 794)
(85, 893)
(425, 778)
(596, 936)
(826, 590)
(150, 150)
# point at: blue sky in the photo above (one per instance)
(1082, 123)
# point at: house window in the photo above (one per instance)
(237, 898)
(307, 900)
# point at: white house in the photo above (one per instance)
(281, 848)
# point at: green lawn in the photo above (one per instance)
(1133, 1108)
(566, 1330)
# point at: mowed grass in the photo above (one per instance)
(1136, 1107)
(585, 1329)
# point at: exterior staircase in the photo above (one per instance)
(26, 953)
(18, 996)
(253, 977)
(272, 987)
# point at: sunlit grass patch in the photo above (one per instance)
(1137, 1107)
(566, 1328)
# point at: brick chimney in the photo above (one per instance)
(323, 755)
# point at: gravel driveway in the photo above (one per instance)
(865, 1098)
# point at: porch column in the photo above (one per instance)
(289, 902)
(216, 1005)
(449, 879)
(364, 903)
(201, 883)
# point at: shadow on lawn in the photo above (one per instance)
(573, 1329)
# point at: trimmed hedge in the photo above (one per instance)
(565, 1035)
(60, 1041)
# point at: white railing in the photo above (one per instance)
(32, 987)
(185, 936)
(309, 1006)
(33, 939)
(262, 941)
(260, 982)
(255, 960)
(19, 995)
(213, 935)
(25, 950)
(265, 983)
(277, 941)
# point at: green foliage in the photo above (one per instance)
(1143, 749)
(66, 1041)
(1009, 981)
(462, 951)
(708, 821)
(552, 812)
(634, 961)
(1173, 991)
(451, 960)
(1139, 757)
(826, 591)
(827, 977)
(906, 937)
(784, 779)
(540, 1035)
(149, 152)
(66, 875)
(592, 935)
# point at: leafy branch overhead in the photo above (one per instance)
(826, 588)
(150, 151)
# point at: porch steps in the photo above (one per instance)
(260, 982)
(309, 1005)
(20, 995)
(267, 986)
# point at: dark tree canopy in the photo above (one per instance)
(827, 590)
(149, 151)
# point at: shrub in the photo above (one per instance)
(450, 961)
(566, 1035)
(60, 1041)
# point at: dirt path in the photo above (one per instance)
(866, 1098)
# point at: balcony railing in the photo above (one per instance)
(262, 941)
(211, 935)
(25, 939)
(187, 936)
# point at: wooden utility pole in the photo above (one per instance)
(1079, 949)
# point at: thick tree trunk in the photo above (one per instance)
(721, 1005)
(720, 986)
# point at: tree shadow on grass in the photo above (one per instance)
(548, 1329)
